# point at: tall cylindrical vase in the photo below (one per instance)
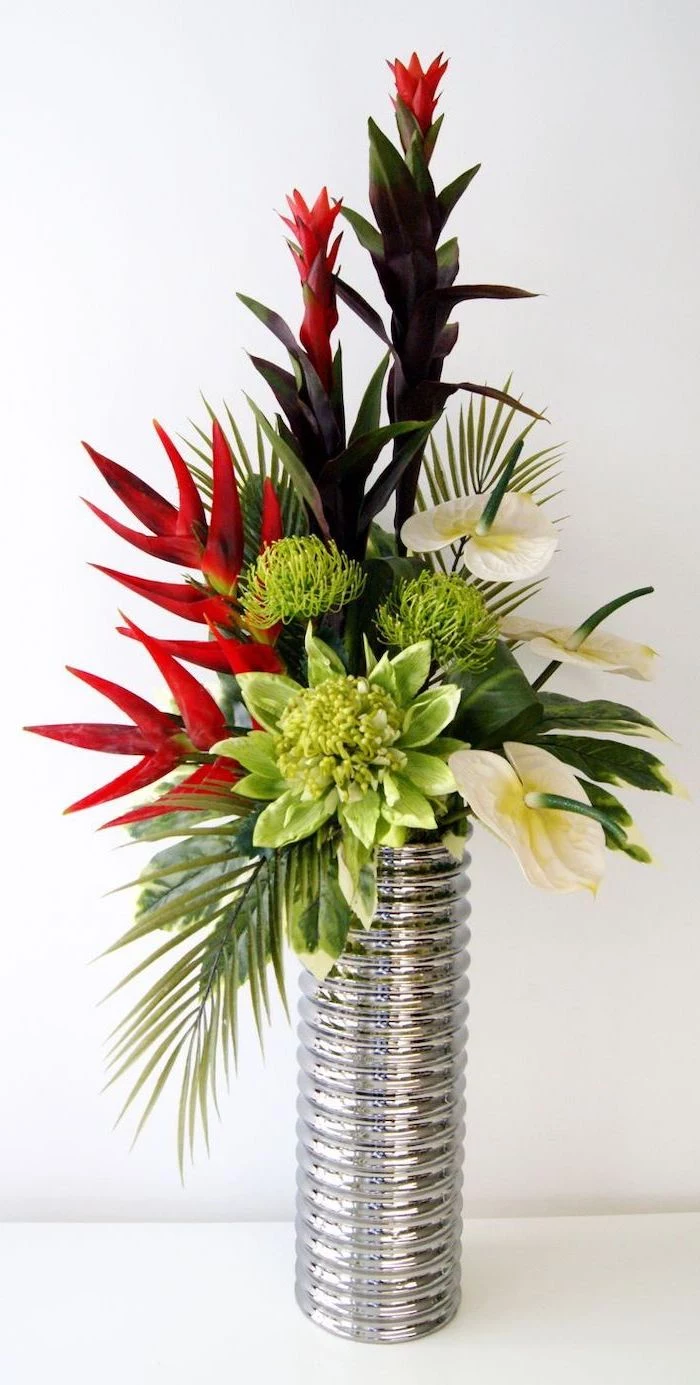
(381, 1110)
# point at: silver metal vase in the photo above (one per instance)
(381, 1111)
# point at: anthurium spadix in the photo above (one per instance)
(585, 645)
(558, 847)
(512, 544)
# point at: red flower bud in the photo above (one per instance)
(417, 89)
(312, 228)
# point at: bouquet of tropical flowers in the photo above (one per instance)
(367, 687)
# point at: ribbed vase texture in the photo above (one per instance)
(381, 1110)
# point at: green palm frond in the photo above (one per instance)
(251, 471)
(471, 462)
(218, 908)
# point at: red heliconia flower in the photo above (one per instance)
(203, 719)
(182, 534)
(177, 534)
(180, 598)
(315, 262)
(223, 654)
(417, 89)
(154, 735)
(208, 784)
(222, 559)
(162, 739)
(247, 658)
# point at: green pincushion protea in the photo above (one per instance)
(348, 761)
(299, 578)
(446, 610)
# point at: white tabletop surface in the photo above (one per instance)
(600, 1300)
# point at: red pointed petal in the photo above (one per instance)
(223, 556)
(145, 504)
(247, 658)
(204, 721)
(204, 653)
(171, 548)
(272, 525)
(146, 772)
(207, 782)
(156, 726)
(87, 735)
(192, 515)
(177, 597)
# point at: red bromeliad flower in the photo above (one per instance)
(417, 89)
(315, 262)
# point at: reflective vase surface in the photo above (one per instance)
(381, 1110)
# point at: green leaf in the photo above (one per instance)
(450, 195)
(613, 762)
(319, 926)
(396, 202)
(294, 467)
(359, 458)
(357, 878)
(407, 806)
(266, 695)
(261, 786)
(429, 773)
(255, 752)
(383, 488)
(448, 259)
(189, 1012)
(568, 713)
(429, 715)
(366, 233)
(362, 816)
(445, 746)
(370, 409)
(382, 676)
(323, 662)
(496, 705)
(289, 819)
(411, 668)
(380, 544)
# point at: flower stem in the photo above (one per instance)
(546, 674)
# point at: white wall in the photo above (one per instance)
(144, 148)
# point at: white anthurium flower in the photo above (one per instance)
(518, 544)
(597, 650)
(557, 850)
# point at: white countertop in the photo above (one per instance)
(566, 1300)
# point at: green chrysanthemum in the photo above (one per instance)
(341, 766)
(339, 734)
(299, 578)
(445, 610)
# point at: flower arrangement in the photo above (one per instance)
(368, 691)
